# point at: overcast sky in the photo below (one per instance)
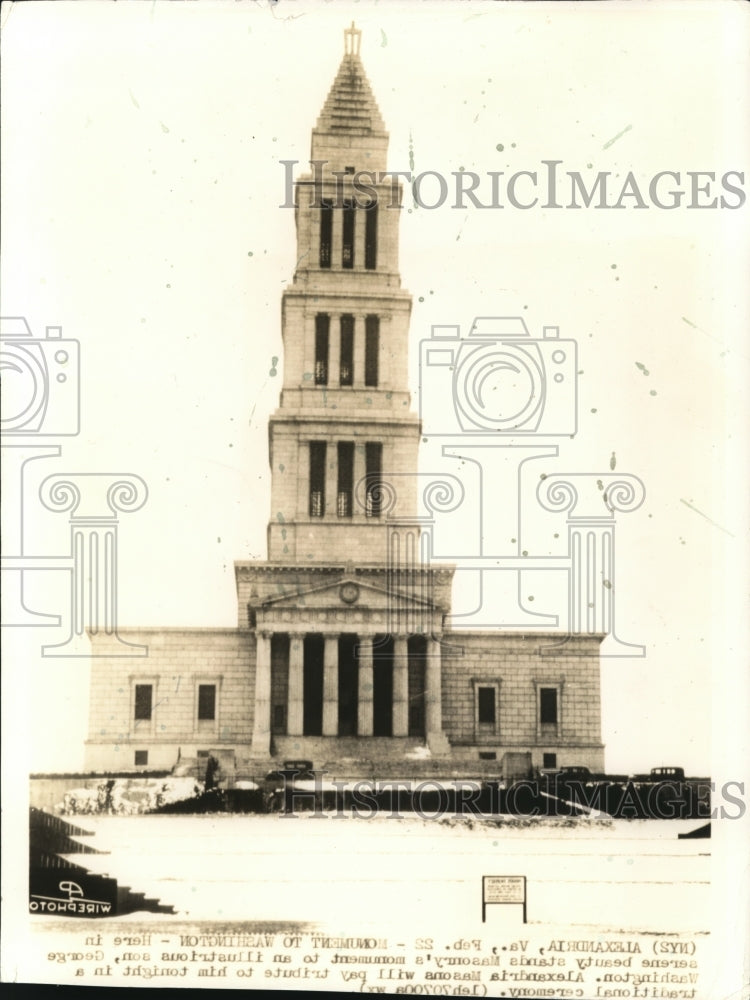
(142, 184)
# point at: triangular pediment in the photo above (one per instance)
(347, 593)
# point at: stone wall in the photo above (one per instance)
(517, 667)
(179, 661)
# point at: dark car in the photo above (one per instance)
(566, 776)
(667, 774)
(574, 772)
(292, 770)
(661, 774)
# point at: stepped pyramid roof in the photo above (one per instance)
(350, 106)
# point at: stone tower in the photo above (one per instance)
(341, 654)
(345, 615)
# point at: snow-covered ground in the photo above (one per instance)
(613, 874)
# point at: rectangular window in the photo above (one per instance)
(326, 229)
(206, 702)
(345, 478)
(347, 236)
(372, 349)
(486, 712)
(317, 478)
(371, 236)
(548, 706)
(322, 327)
(346, 372)
(141, 758)
(143, 702)
(549, 760)
(373, 472)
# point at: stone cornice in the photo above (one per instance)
(442, 572)
(359, 418)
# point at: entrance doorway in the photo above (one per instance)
(348, 685)
(312, 686)
(417, 665)
(382, 684)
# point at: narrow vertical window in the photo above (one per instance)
(143, 702)
(486, 710)
(317, 478)
(373, 472)
(347, 237)
(322, 326)
(548, 706)
(206, 702)
(371, 236)
(346, 373)
(372, 349)
(345, 478)
(326, 230)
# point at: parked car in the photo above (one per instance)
(294, 770)
(574, 772)
(667, 774)
(661, 774)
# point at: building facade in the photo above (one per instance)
(341, 651)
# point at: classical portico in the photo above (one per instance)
(330, 664)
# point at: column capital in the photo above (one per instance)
(93, 495)
(587, 495)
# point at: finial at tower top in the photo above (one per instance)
(352, 40)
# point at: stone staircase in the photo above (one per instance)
(350, 758)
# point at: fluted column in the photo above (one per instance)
(331, 686)
(591, 502)
(295, 693)
(94, 501)
(365, 705)
(262, 719)
(400, 686)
